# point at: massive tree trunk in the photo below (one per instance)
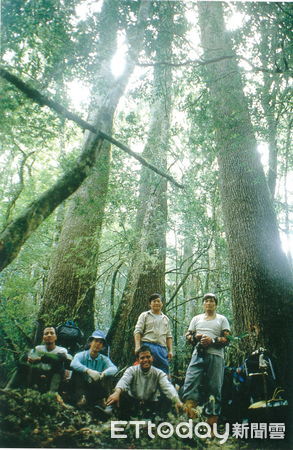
(71, 282)
(147, 269)
(260, 273)
(270, 91)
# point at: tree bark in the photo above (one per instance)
(147, 269)
(70, 289)
(268, 99)
(260, 274)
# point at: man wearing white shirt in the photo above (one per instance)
(209, 331)
(45, 366)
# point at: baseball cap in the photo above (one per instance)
(98, 335)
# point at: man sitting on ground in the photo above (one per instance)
(92, 372)
(140, 388)
(46, 365)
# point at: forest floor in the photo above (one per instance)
(29, 419)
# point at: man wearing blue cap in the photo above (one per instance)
(91, 371)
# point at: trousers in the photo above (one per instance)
(204, 380)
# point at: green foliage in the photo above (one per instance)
(31, 419)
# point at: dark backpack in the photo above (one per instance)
(69, 336)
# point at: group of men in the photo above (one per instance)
(146, 385)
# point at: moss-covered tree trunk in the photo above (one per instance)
(147, 268)
(260, 273)
(70, 288)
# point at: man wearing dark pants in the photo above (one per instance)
(209, 332)
(45, 367)
(92, 372)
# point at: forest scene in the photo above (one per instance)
(145, 148)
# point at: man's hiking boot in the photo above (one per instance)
(211, 420)
(81, 402)
(103, 413)
(189, 407)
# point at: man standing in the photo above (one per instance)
(92, 372)
(153, 329)
(140, 387)
(209, 332)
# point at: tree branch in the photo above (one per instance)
(19, 187)
(20, 229)
(188, 62)
(202, 62)
(42, 100)
(189, 271)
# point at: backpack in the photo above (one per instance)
(69, 336)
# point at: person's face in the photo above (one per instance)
(49, 335)
(209, 304)
(156, 305)
(96, 346)
(145, 360)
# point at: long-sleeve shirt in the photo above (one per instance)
(153, 328)
(147, 385)
(83, 361)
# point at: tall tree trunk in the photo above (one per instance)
(147, 269)
(286, 170)
(260, 273)
(70, 289)
(268, 100)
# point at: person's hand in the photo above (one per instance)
(67, 374)
(198, 337)
(206, 340)
(35, 359)
(178, 405)
(113, 398)
(188, 336)
(62, 356)
(170, 354)
(94, 374)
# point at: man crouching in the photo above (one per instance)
(139, 389)
(92, 372)
(44, 368)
